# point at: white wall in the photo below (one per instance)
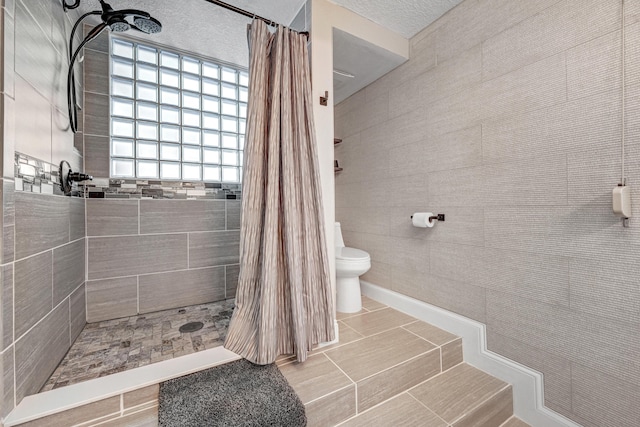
(324, 17)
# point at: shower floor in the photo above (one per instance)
(112, 346)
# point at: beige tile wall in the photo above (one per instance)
(43, 241)
(507, 118)
(150, 255)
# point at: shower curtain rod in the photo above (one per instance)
(248, 14)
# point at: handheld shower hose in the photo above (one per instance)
(116, 21)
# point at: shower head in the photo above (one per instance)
(118, 21)
(147, 25)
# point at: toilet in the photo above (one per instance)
(351, 263)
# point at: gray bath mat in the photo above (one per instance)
(231, 395)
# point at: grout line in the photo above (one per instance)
(121, 404)
(453, 340)
(401, 363)
(138, 294)
(172, 233)
(434, 377)
(371, 408)
(86, 279)
(52, 282)
(98, 421)
(340, 369)
(355, 389)
(473, 408)
(141, 406)
(430, 410)
(340, 322)
(39, 321)
(15, 385)
(569, 282)
(160, 272)
(189, 256)
(69, 316)
(366, 336)
(46, 250)
(423, 338)
(138, 204)
(329, 394)
(13, 302)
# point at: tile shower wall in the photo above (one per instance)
(150, 255)
(507, 118)
(42, 262)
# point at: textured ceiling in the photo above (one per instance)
(209, 30)
(365, 61)
(405, 17)
(202, 27)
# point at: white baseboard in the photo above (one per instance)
(528, 390)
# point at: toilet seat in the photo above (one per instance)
(351, 254)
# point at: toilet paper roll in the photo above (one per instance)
(421, 219)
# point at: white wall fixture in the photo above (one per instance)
(622, 201)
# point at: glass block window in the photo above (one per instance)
(175, 117)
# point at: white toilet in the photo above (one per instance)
(350, 264)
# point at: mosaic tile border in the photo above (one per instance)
(37, 176)
(139, 188)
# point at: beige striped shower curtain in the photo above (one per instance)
(284, 303)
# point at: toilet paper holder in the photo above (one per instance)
(438, 217)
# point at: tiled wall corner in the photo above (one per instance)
(7, 401)
(49, 271)
(40, 350)
(515, 136)
(42, 234)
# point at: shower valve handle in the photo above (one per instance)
(77, 176)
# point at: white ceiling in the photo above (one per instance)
(405, 17)
(202, 27)
(212, 31)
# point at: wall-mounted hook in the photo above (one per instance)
(325, 98)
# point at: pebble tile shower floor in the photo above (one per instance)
(118, 345)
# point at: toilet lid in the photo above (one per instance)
(351, 254)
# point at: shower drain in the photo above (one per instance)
(191, 327)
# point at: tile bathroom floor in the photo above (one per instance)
(390, 369)
(118, 345)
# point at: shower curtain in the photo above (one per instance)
(284, 303)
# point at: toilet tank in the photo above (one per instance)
(339, 243)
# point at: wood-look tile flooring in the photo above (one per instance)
(389, 369)
(118, 345)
